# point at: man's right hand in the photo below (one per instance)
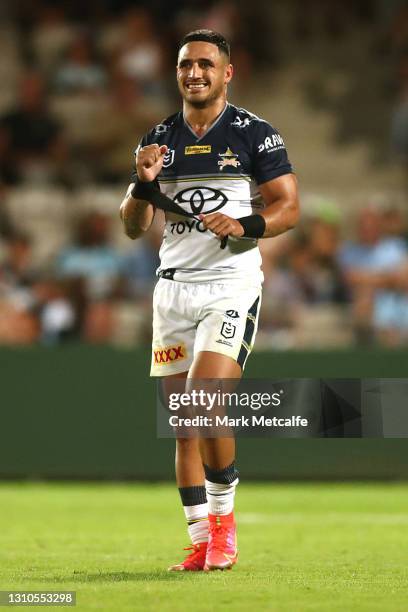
(149, 161)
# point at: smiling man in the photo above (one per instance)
(223, 177)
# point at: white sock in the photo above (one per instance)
(197, 517)
(220, 497)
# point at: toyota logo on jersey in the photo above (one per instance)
(201, 199)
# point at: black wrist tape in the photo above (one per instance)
(143, 190)
(254, 226)
(150, 192)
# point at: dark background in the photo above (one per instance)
(90, 413)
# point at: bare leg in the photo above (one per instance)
(217, 453)
(189, 465)
(190, 479)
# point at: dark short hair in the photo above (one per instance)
(207, 36)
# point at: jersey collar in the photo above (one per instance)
(212, 126)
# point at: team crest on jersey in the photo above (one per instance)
(228, 159)
(168, 159)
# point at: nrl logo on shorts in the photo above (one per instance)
(169, 354)
(228, 159)
(168, 159)
(228, 330)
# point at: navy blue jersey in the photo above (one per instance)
(220, 171)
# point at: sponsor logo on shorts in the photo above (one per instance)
(168, 354)
(197, 149)
(224, 342)
(228, 330)
(232, 314)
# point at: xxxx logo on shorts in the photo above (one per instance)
(169, 354)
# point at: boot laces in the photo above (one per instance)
(219, 536)
(195, 548)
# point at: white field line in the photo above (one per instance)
(374, 518)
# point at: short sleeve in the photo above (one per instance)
(270, 158)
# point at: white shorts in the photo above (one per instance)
(193, 317)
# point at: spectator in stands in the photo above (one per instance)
(16, 272)
(81, 72)
(18, 323)
(124, 119)
(286, 284)
(301, 274)
(325, 277)
(399, 25)
(141, 263)
(308, 269)
(56, 311)
(376, 270)
(140, 53)
(6, 226)
(32, 146)
(92, 258)
(395, 223)
(399, 125)
(51, 35)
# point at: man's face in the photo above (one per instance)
(369, 227)
(202, 73)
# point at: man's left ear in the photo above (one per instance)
(229, 73)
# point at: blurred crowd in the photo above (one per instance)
(328, 284)
(398, 44)
(84, 83)
(325, 284)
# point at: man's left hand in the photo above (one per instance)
(222, 225)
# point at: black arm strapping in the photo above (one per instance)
(254, 226)
(150, 192)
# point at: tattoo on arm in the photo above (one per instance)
(136, 215)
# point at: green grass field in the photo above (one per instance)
(337, 547)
